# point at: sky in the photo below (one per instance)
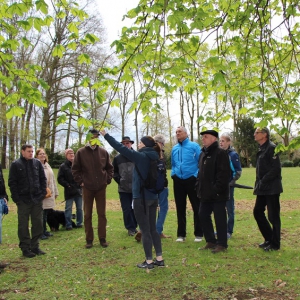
(112, 12)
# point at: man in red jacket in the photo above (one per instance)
(93, 171)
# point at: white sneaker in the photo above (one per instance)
(180, 239)
(198, 239)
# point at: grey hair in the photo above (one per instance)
(183, 128)
(159, 138)
(227, 136)
(265, 130)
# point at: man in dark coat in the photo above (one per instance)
(267, 189)
(27, 183)
(213, 191)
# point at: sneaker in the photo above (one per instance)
(138, 236)
(198, 239)
(44, 237)
(219, 249)
(264, 244)
(208, 246)
(47, 233)
(180, 239)
(145, 265)
(131, 232)
(271, 248)
(89, 244)
(28, 253)
(103, 243)
(228, 235)
(159, 263)
(38, 251)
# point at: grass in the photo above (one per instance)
(69, 271)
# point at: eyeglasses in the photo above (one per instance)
(41, 154)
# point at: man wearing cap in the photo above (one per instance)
(267, 189)
(72, 190)
(163, 195)
(184, 159)
(93, 171)
(123, 169)
(213, 191)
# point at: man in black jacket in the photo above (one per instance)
(213, 191)
(72, 190)
(27, 183)
(267, 189)
(123, 169)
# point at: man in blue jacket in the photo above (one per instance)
(184, 159)
(236, 172)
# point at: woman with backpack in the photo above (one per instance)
(145, 202)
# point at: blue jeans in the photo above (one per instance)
(230, 211)
(1, 203)
(128, 213)
(163, 209)
(68, 211)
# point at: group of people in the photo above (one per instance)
(206, 176)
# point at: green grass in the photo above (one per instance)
(69, 271)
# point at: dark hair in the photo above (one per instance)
(25, 146)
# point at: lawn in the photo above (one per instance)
(69, 271)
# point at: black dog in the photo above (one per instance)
(56, 218)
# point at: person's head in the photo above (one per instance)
(95, 133)
(261, 135)
(127, 142)
(27, 151)
(148, 141)
(209, 137)
(41, 155)
(181, 133)
(225, 141)
(69, 154)
(159, 138)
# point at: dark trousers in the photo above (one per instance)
(230, 211)
(128, 213)
(34, 211)
(220, 216)
(273, 206)
(183, 188)
(45, 215)
(88, 202)
(147, 224)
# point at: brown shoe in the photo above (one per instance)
(163, 236)
(208, 246)
(103, 243)
(89, 244)
(138, 236)
(219, 249)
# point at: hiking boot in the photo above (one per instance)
(163, 236)
(28, 253)
(180, 239)
(138, 236)
(208, 246)
(219, 249)
(159, 263)
(103, 243)
(145, 265)
(38, 251)
(89, 244)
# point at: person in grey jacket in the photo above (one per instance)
(267, 189)
(123, 169)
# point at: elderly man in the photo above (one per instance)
(236, 172)
(184, 158)
(93, 171)
(267, 189)
(27, 183)
(213, 191)
(123, 170)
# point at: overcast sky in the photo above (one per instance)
(112, 12)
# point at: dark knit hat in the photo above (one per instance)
(147, 141)
(94, 132)
(127, 139)
(211, 132)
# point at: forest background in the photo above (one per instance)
(201, 64)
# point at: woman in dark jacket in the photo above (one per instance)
(145, 211)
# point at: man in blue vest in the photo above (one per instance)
(236, 172)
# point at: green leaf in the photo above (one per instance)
(15, 111)
(58, 51)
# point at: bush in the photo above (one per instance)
(287, 164)
(296, 162)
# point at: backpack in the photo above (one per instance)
(155, 180)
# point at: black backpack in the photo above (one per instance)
(155, 180)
